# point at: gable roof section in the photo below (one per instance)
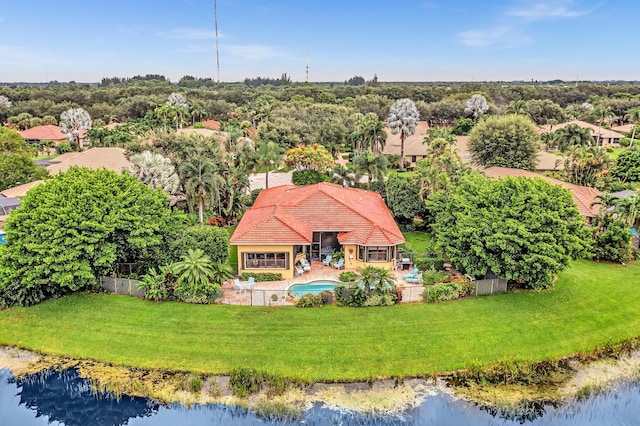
(94, 158)
(21, 190)
(413, 144)
(290, 214)
(595, 130)
(583, 196)
(48, 132)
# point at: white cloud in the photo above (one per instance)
(535, 10)
(501, 36)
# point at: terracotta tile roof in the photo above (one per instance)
(595, 130)
(413, 144)
(625, 128)
(212, 124)
(20, 191)
(289, 214)
(48, 132)
(94, 158)
(583, 196)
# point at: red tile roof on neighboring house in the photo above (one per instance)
(290, 214)
(48, 133)
(583, 196)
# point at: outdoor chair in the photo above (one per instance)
(252, 281)
(306, 267)
(237, 286)
(299, 271)
(412, 274)
(327, 260)
(417, 279)
(339, 264)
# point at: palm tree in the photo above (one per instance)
(201, 181)
(371, 165)
(518, 107)
(403, 119)
(375, 280)
(628, 209)
(221, 273)
(583, 165)
(195, 270)
(476, 106)
(155, 170)
(343, 176)
(605, 201)
(369, 133)
(74, 121)
(633, 116)
(268, 153)
(572, 135)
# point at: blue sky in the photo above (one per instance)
(421, 40)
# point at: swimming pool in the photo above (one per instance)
(313, 287)
(2, 239)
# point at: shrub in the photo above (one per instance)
(195, 384)
(245, 381)
(158, 284)
(609, 149)
(307, 177)
(447, 291)
(625, 142)
(63, 148)
(380, 300)
(429, 263)
(433, 277)
(262, 276)
(349, 296)
(309, 301)
(327, 297)
(213, 241)
(462, 127)
(348, 277)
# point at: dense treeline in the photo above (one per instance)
(119, 99)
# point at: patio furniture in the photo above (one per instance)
(299, 271)
(305, 265)
(327, 260)
(417, 279)
(250, 285)
(252, 280)
(237, 286)
(339, 264)
(412, 274)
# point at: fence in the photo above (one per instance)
(490, 286)
(121, 286)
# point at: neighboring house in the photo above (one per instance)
(48, 133)
(95, 158)
(20, 191)
(602, 137)
(583, 196)
(414, 147)
(625, 128)
(6, 205)
(288, 223)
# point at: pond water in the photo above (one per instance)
(62, 398)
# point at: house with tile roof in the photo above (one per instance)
(414, 147)
(48, 133)
(583, 196)
(601, 136)
(288, 223)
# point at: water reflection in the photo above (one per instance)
(64, 399)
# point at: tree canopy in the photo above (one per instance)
(76, 227)
(525, 230)
(505, 141)
(17, 165)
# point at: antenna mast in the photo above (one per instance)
(307, 68)
(215, 17)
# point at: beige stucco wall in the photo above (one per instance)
(355, 263)
(286, 273)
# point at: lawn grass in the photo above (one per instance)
(418, 242)
(616, 153)
(590, 304)
(233, 252)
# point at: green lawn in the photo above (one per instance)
(590, 304)
(418, 242)
(233, 252)
(616, 153)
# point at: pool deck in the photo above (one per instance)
(264, 290)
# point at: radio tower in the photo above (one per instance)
(307, 68)
(215, 18)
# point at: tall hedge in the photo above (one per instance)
(75, 227)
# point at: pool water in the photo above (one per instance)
(313, 287)
(2, 239)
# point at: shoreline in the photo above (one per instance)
(580, 377)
